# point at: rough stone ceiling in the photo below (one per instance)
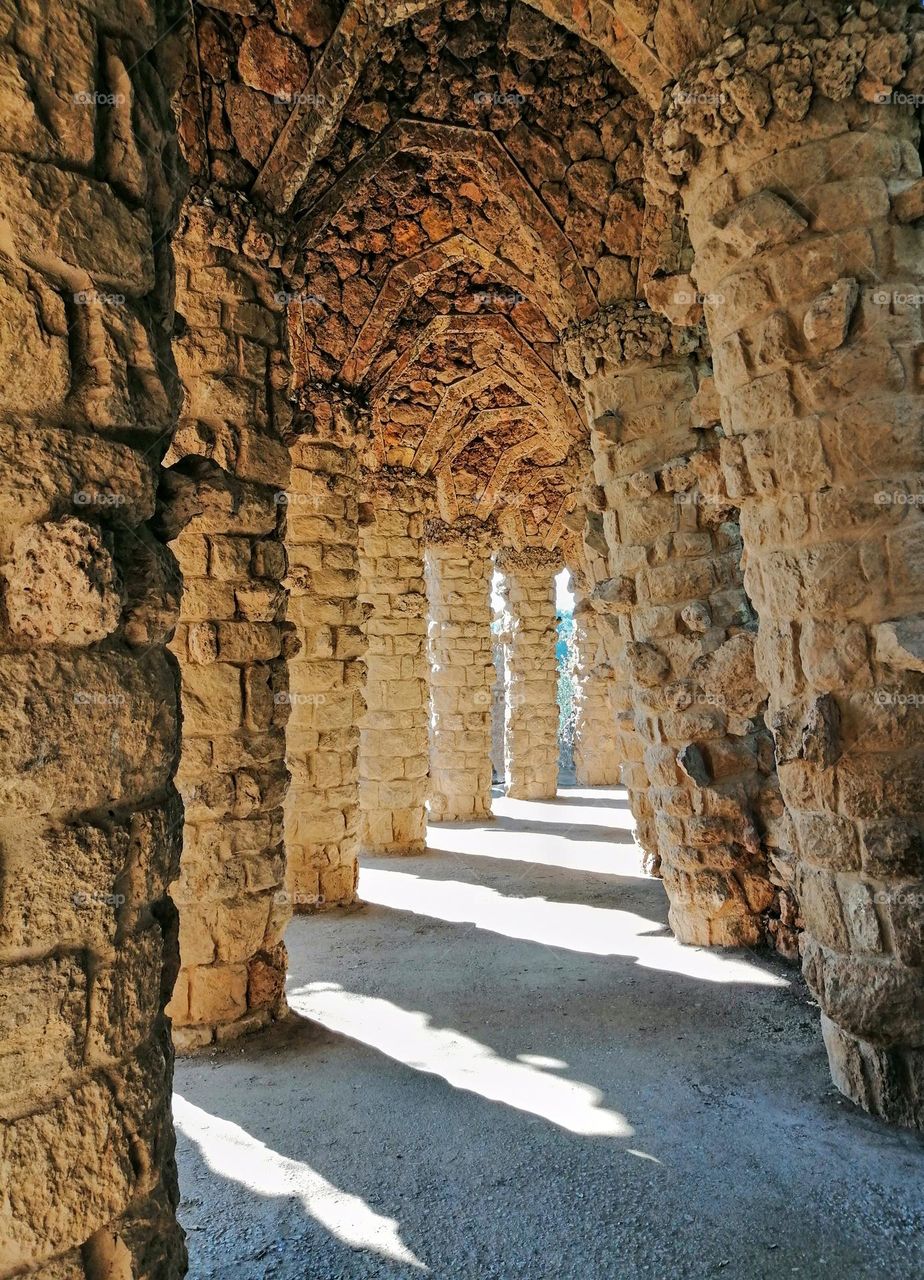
(466, 161)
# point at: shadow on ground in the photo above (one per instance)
(505, 1067)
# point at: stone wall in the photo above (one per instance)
(459, 571)
(326, 676)
(630, 746)
(91, 820)
(596, 751)
(674, 553)
(394, 750)
(224, 498)
(531, 694)
(805, 216)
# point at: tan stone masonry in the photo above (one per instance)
(394, 764)
(531, 694)
(228, 619)
(91, 819)
(596, 748)
(688, 630)
(326, 676)
(459, 570)
(807, 257)
(225, 491)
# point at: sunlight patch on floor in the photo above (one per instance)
(546, 846)
(572, 926)
(408, 1037)
(234, 1154)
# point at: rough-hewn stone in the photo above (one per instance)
(459, 569)
(531, 694)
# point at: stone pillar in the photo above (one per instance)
(530, 622)
(459, 570)
(806, 224)
(596, 754)
(394, 751)
(630, 744)
(326, 675)
(674, 552)
(230, 471)
(90, 836)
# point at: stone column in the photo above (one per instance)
(90, 836)
(674, 552)
(530, 621)
(394, 751)
(459, 570)
(630, 744)
(225, 489)
(326, 675)
(596, 754)
(805, 218)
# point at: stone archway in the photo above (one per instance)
(393, 271)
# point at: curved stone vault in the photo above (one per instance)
(318, 314)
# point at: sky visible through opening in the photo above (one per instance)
(564, 597)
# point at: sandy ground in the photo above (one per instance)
(505, 1067)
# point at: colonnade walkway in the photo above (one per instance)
(503, 1067)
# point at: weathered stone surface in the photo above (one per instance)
(838, 640)
(458, 574)
(531, 695)
(394, 733)
(61, 585)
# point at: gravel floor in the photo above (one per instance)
(505, 1067)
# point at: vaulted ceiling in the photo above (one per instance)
(459, 183)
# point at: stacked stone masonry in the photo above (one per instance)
(91, 819)
(394, 748)
(597, 761)
(326, 676)
(531, 694)
(460, 645)
(805, 222)
(424, 237)
(228, 477)
(675, 586)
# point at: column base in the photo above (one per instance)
(531, 791)
(888, 1083)
(406, 849)
(454, 817)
